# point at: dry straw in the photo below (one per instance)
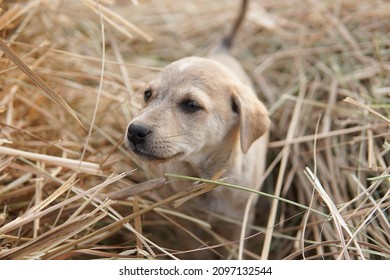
(67, 67)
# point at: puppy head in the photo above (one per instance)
(194, 106)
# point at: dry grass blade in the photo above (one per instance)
(137, 224)
(368, 219)
(15, 12)
(338, 220)
(38, 81)
(308, 138)
(65, 187)
(82, 166)
(138, 189)
(6, 162)
(117, 21)
(367, 108)
(221, 183)
(200, 189)
(30, 216)
(281, 176)
(37, 247)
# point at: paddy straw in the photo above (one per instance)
(321, 67)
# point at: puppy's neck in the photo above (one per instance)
(215, 158)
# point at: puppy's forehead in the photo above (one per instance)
(197, 67)
(193, 72)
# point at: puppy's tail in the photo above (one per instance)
(229, 39)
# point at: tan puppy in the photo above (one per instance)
(202, 117)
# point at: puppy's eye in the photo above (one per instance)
(191, 106)
(147, 95)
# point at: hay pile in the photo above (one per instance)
(322, 68)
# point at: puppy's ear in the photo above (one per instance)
(253, 116)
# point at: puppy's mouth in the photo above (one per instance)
(150, 155)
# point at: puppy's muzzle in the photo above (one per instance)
(144, 143)
(137, 134)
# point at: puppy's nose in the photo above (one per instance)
(137, 134)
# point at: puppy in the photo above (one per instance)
(201, 116)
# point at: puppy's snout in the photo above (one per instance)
(137, 134)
